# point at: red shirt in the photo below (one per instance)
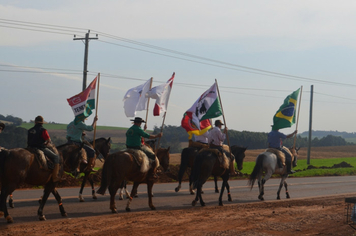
(45, 135)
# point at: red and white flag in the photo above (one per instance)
(161, 93)
(135, 99)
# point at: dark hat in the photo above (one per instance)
(39, 120)
(2, 125)
(218, 122)
(138, 120)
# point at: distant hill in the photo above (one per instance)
(349, 137)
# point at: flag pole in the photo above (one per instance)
(164, 118)
(296, 125)
(148, 104)
(227, 136)
(96, 109)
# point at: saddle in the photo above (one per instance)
(142, 160)
(280, 155)
(43, 161)
(223, 159)
(198, 145)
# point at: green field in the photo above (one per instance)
(303, 171)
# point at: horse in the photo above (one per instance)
(267, 162)
(102, 148)
(122, 165)
(187, 160)
(19, 165)
(206, 164)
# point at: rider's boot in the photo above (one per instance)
(295, 161)
(289, 167)
(55, 172)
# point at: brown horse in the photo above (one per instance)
(187, 160)
(121, 166)
(206, 164)
(19, 166)
(102, 149)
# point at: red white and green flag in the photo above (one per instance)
(207, 106)
(83, 103)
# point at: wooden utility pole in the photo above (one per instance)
(86, 41)
(310, 123)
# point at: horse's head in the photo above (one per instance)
(102, 147)
(239, 153)
(294, 152)
(72, 157)
(163, 157)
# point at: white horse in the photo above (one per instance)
(267, 163)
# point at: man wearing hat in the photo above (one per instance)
(2, 127)
(76, 132)
(216, 139)
(134, 134)
(38, 137)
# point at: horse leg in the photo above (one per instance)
(59, 201)
(228, 192)
(279, 188)
(3, 207)
(113, 187)
(225, 178)
(150, 195)
(11, 201)
(92, 188)
(81, 199)
(216, 184)
(199, 192)
(133, 193)
(121, 193)
(261, 184)
(191, 190)
(286, 187)
(194, 202)
(47, 190)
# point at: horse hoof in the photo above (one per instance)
(202, 204)
(128, 209)
(229, 199)
(176, 189)
(202, 192)
(216, 190)
(95, 197)
(64, 214)
(221, 204)
(136, 195)
(153, 208)
(278, 198)
(113, 210)
(192, 193)
(43, 218)
(194, 203)
(9, 220)
(11, 203)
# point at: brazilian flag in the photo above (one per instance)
(285, 116)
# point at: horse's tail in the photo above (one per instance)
(184, 159)
(256, 170)
(104, 178)
(3, 154)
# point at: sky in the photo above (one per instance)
(258, 51)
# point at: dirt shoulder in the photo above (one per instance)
(315, 216)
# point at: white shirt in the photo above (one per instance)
(216, 137)
(202, 138)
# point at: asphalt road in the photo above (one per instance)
(165, 198)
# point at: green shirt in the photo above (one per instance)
(133, 136)
(74, 131)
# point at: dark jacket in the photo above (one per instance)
(34, 136)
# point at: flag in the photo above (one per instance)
(285, 116)
(135, 99)
(191, 128)
(83, 103)
(196, 118)
(161, 94)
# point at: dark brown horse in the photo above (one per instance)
(19, 166)
(187, 160)
(102, 149)
(120, 166)
(206, 164)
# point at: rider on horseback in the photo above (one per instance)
(74, 136)
(133, 138)
(216, 139)
(38, 137)
(201, 141)
(275, 141)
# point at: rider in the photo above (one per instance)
(275, 139)
(201, 141)
(133, 138)
(75, 130)
(2, 127)
(38, 137)
(216, 139)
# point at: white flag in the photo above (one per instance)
(135, 99)
(161, 94)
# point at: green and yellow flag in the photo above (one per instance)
(285, 116)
